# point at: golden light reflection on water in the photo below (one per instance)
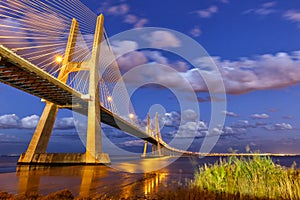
(151, 185)
(146, 165)
(86, 181)
(31, 178)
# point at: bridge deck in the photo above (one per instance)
(21, 74)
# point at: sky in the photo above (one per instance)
(254, 44)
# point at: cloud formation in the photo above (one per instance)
(293, 16)
(264, 9)
(196, 31)
(135, 20)
(9, 121)
(279, 126)
(188, 124)
(260, 116)
(207, 13)
(30, 122)
(267, 71)
(160, 39)
(245, 75)
(230, 114)
(123, 10)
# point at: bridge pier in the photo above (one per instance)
(36, 152)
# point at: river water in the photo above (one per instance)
(114, 180)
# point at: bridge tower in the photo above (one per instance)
(156, 149)
(36, 152)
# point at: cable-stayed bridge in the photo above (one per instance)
(82, 77)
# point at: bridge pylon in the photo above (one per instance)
(156, 149)
(36, 151)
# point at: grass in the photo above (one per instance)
(257, 176)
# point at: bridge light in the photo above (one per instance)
(59, 59)
(109, 98)
(131, 116)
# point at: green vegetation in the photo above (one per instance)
(257, 176)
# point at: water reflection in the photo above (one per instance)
(82, 180)
(87, 181)
(153, 184)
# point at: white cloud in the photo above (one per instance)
(230, 114)
(196, 31)
(263, 72)
(191, 129)
(9, 121)
(189, 116)
(241, 124)
(133, 143)
(293, 16)
(159, 39)
(141, 23)
(260, 116)
(135, 20)
(264, 9)
(127, 61)
(269, 4)
(131, 60)
(171, 119)
(228, 130)
(156, 56)
(30, 122)
(200, 129)
(279, 126)
(121, 9)
(122, 47)
(130, 19)
(64, 123)
(207, 13)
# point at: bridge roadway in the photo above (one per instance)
(21, 74)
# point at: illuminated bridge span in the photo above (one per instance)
(82, 81)
(19, 73)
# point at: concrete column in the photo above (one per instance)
(93, 141)
(157, 134)
(41, 136)
(148, 131)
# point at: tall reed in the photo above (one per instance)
(256, 176)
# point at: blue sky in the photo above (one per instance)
(255, 44)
